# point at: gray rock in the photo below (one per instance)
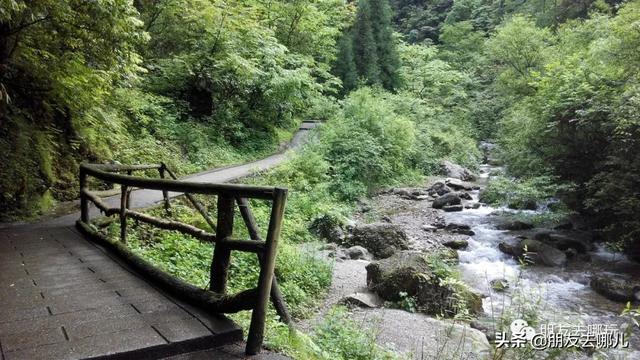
(381, 239)
(429, 228)
(439, 188)
(445, 200)
(472, 206)
(512, 250)
(456, 171)
(452, 208)
(457, 184)
(499, 285)
(578, 240)
(616, 289)
(327, 227)
(363, 300)
(401, 272)
(464, 195)
(456, 244)
(408, 272)
(460, 229)
(514, 225)
(411, 193)
(535, 252)
(543, 254)
(358, 252)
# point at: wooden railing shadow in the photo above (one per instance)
(215, 299)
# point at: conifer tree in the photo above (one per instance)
(345, 66)
(364, 45)
(371, 55)
(388, 59)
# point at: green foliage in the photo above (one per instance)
(193, 83)
(525, 193)
(578, 121)
(366, 144)
(368, 51)
(519, 46)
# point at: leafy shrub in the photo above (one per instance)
(366, 144)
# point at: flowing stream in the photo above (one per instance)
(559, 295)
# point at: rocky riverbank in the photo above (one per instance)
(405, 248)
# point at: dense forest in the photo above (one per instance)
(401, 85)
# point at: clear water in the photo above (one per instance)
(562, 295)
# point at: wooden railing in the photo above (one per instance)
(215, 298)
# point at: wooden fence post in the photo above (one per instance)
(165, 194)
(221, 253)
(128, 206)
(123, 213)
(259, 313)
(252, 227)
(84, 203)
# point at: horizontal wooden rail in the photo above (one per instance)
(102, 206)
(119, 167)
(231, 190)
(173, 225)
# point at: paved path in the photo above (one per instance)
(143, 198)
(62, 297)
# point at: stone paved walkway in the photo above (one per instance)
(64, 298)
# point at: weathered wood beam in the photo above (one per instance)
(123, 214)
(173, 225)
(276, 294)
(165, 193)
(101, 205)
(222, 253)
(267, 265)
(196, 204)
(228, 190)
(120, 167)
(244, 245)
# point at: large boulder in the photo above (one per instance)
(438, 189)
(446, 200)
(456, 171)
(381, 239)
(328, 227)
(357, 253)
(514, 225)
(457, 184)
(402, 272)
(409, 273)
(579, 240)
(543, 254)
(456, 244)
(535, 252)
(460, 229)
(616, 289)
